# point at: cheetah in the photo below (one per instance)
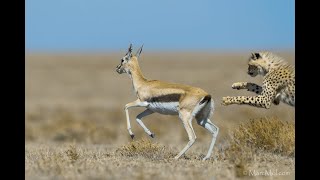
(278, 82)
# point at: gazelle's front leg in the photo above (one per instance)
(136, 103)
(249, 86)
(140, 116)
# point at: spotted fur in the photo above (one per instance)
(278, 84)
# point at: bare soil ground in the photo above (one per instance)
(76, 128)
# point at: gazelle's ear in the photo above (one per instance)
(139, 51)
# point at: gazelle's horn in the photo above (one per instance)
(139, 51)
(130, 48)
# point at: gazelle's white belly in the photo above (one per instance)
(164, 107)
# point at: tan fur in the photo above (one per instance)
(168, 98)
(145, 88)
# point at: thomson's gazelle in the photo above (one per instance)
(168, 98)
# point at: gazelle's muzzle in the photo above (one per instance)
(119, 69)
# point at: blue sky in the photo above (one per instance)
(78, 25)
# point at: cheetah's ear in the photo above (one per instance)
(255, 56)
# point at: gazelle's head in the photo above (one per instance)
(128, 61)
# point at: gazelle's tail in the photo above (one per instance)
(207, 111)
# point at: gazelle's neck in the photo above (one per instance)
(137, 77)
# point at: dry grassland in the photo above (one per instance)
(76, 128)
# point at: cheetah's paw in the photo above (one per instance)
(226, 101)
(239, 85)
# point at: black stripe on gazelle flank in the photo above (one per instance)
(206, 98)
(165, 98)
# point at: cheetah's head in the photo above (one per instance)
(257, 65)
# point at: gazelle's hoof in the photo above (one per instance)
(152, 135)
(205, 158)
(132, 136)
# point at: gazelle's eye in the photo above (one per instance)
(122, 60)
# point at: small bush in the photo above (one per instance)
(144, 148)
(72, 153)
(258, 138)
(265, 134)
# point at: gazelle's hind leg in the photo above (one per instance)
(186, 118)
(203, 120)
(213, 129)
(139, 120)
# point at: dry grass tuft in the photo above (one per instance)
(258, 140)
(266, 134)
(72, 153)
(145, 148)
